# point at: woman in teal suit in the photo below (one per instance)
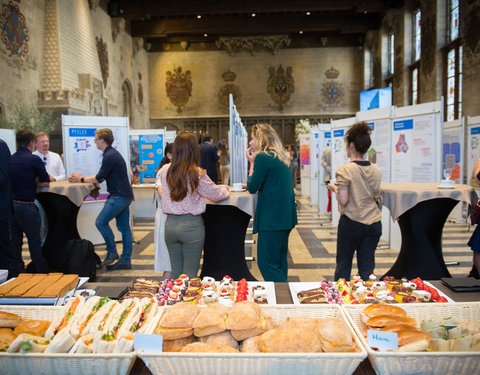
(276, 213)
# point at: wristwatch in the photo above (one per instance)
(82, 180)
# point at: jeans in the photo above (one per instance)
(116, 207)
(26, 219)
(184, 236)
(352, 236)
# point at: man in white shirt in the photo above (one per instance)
(52, 161)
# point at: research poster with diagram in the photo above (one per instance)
(413, 149)
(146, 152)
(339, 150)
(452, 152)
(473, 153)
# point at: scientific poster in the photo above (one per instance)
(474, 152)
(146, 152)
(413, 149)
(305, 155)
(339, 151)
(379, 152)
(452, 152)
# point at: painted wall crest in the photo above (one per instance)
(229, 88)
(103, 58)
(332, 90)
(280, 85)
(178, 86)
(14, 31)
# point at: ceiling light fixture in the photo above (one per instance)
(205, 35)
(199, 16)
(253, 14)
(301, 32)
(308, 13)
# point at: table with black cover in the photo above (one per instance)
(422, 210)
(226, 225)
(61, 202)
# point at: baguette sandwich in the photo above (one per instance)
(177, 321)
(381, 309)
(34, 327)
(335, 336)
(9, 320)
(7, 336)
(26, 343)
(211, 320)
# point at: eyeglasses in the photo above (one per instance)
(44, 160)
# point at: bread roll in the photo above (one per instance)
(413, 341)
(335, 336)
(34, 327)
(7, 336)
(20, 279)
(173, 333)
(177, 345)
(243, 315)
(381, 321)
(293, 340)
(221, 339)
(250, 345)
(211, 320)
(264, 324)
(180, 315)
(201, 347)
(381, 309)
(9, 320)
(399, 327)
(300, 322)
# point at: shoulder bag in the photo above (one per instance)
(378, 199)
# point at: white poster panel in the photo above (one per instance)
(305, 163)
(473, 149)
(314, 163)
(413, 148)
(8, 136)
(81, 155)
(324, 140)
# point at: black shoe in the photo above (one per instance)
(119, 266)
(110, 259)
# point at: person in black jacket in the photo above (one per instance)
(209, 156)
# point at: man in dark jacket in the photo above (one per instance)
(209, 157)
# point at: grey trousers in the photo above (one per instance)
(184, 236)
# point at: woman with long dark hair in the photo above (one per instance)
(185, 186)
(357, 188)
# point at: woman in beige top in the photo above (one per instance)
(357, 186)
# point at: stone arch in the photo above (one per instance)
(127, 101)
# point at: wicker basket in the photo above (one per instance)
(434, 363)
(40, 363)
(263, 363)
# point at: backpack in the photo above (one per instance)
(81, 259)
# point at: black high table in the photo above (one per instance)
(422, 210)
(61, 202)
(226, 225)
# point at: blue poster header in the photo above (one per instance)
(403, 125)
(338, 133)
(81, 132)
(328, 134)
(372, 125)
(475, 130)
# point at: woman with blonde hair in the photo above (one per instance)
(276, 213)
(184, 188)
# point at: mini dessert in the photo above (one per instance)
(195, 282)
(208, 280)
(371, 279)
(260, 299)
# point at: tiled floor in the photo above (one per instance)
(311, 257)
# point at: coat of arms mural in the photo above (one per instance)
(332, 90)
(14, 30)
(280, 85)
(178, 86)
(229, 88)
(103, 58)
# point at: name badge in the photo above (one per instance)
(382, 341)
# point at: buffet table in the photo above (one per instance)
(61, 202)
(226, 225)
(421, 210)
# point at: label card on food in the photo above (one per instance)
(382, 341)
(148, 343)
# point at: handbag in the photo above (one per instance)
(475, 216)
(377, 198)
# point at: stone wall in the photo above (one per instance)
(312, 93)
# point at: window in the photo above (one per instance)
(453, 19)
(368, 74)
(391, 53)
(417, 35)
(414, 86)
(453, 64)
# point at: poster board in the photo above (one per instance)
(305, 163)
(146, 151)
(324, 140)
(8, 136)
(473, 149)
(81, 155)
(453, 151)
(339, 155)
(314, 163)
(416, 143)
